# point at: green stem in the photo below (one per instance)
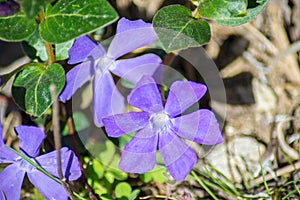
(204, 186)
(34, 164)
(41, 169)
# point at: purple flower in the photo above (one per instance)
(30, 142)
(95, 61)
(9, 8)
(162, 126)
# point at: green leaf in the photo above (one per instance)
(106, 197)
(157, 174)
(61, 50)
(106, 153)
(110, 178)
(31, 87)
(67, 19)
(34, 47)
(16, 27)
(118, 174)
(123, 189)
(80, 123)
(231, 12)
(177, 29)
(93, 169)
(32, 7)
(146, 178)
(135, 193)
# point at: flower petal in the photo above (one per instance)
(6, 155)
(139, 155)
(130, 36)
(75, 78)
(178, 157)
(49, 188)
(118, 125)
(134, 68)
(107, 99)
(11, 182)
(182, 95)
(31, 139)
(200, 126)
(69, 163)
(81, 49)
(145, 95)
(180, 168)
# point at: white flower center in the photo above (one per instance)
(105, 63)
(24, 165)
(160, 121)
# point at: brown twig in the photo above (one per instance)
(279, 172)
(49, 49)
(57, 143)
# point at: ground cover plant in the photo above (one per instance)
(149, 99)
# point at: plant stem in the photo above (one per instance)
(204, 186)
(71, 128)
(56, 133)
(49, 49)
(34, 164)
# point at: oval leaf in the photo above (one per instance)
(123, 189)
(16, 27)
(231, 12)
(177, 29)
(34, 47)
(31, 87)
(67, 20)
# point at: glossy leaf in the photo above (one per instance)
(61, 50)
(32, 7)
(231, 12)
(31, 87)
(67, 20)
(16, 27)
(34, 47)
(178, 29)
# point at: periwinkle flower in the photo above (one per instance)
(161, 126)
(9, 8)
(30, 142)
(96, 62)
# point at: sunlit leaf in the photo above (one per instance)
(67, 20)
(31, 87)
(178, 29)
(16, 27)
(123, 189)
(231, 12)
